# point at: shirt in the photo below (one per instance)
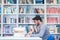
(42, 32)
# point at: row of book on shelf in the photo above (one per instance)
(30, 1)
(54, 28)
(28, 19)
(23, 29)
(8, 9)
(22, 1)
(53, 1)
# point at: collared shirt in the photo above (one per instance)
(42, 32)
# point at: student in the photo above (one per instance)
(42, 29)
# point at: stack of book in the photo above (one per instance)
(19, 32)
(10, 9)
(10, 1)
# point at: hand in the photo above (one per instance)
(27, 35)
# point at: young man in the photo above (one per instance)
(42, 29)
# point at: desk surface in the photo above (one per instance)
(26, 38)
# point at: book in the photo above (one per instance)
(58, 19)
(0, 9)
(52, 10)
(51, 1)
(0, 28)
(21, 19)
(26, 1)
(58, 26)
(39, 1)
(22, 9)
(10, 9)
(29, 1)
(27, 19)
(10, 1)
(52, 29)
(0, 1)
(9, 20)
(19, 31)
(51, 20)
(22, 1)
(0, 18)
(6, 29)
(58, 1)
(39, 10)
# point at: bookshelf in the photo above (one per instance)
(19, 13)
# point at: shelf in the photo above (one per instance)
(53, 4)
(9, 23)
(55, 33)
(53, 14)
(31, 4)
(52, 23)
(7, 33)
(9, 4)
(30, 14)
(26, 23)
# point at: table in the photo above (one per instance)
(18, 38)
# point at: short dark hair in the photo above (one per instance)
(37, 17)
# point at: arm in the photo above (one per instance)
(41, 32)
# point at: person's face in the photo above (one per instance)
(35, 21)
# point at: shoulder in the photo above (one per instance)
(44, 26)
